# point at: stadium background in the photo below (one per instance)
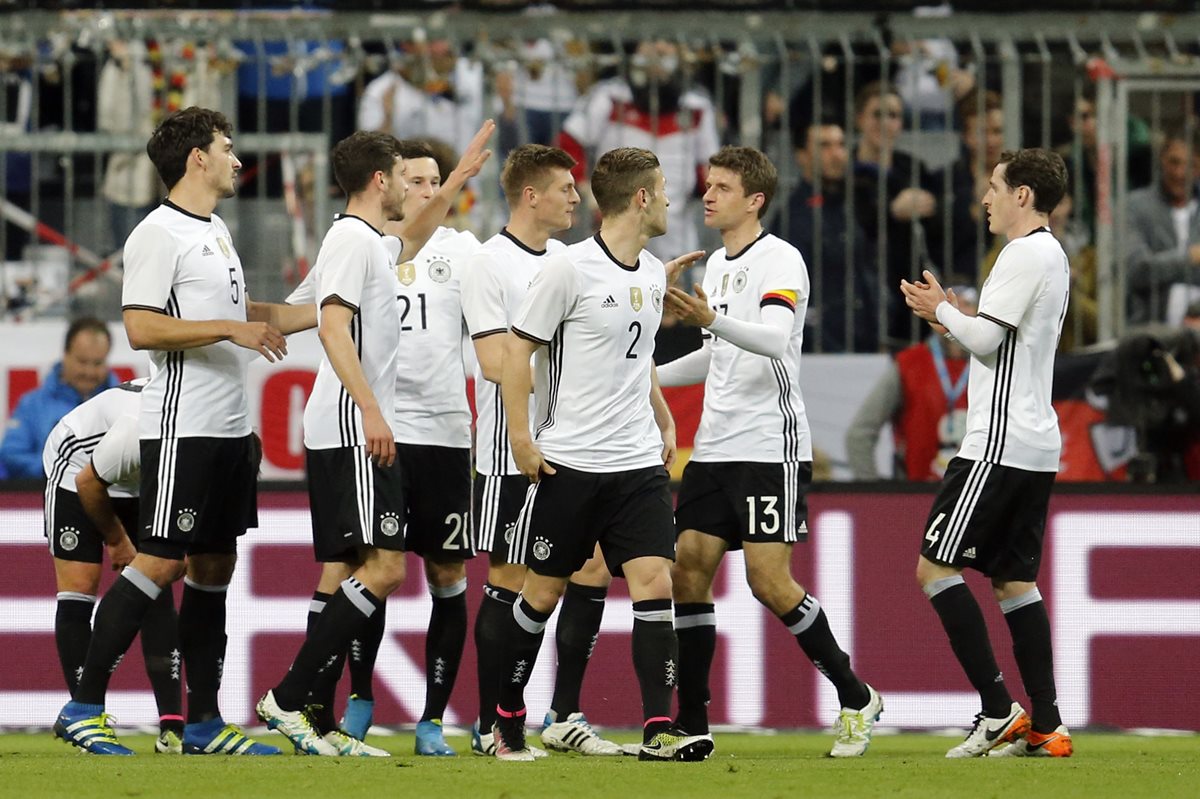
(1122, 571)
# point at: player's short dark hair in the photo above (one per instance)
(85, 324)
(758, 174)
(1043, 171)
(1189, 139)
(360, 155)
(968, 106)
(874, 89)
(173, 140)
(415, 148)
(531, 165)
(619, 174)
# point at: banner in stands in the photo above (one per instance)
(1120, 578)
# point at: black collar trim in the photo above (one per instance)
(340, 217)
(504, 232)
(175, 207)
(613, 258)
(746, 249)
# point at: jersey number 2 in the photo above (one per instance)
(635, 328)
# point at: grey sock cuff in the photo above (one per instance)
(1030, 597)
(810, 606)
(141, 582)
(447, 591)
(532, 626)
(76, 596)
(353, 590)
(665, 614)
(936, 587)
(316, 605)
(208, 589)
(695, 620)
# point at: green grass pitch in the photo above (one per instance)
(751, 766)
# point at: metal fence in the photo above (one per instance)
(82, 91)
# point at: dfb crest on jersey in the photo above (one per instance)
(406, 272)
(656, 298)
(68, 539)
(635, 297)
(439, 270)
(389, 524)
(541, 548)
(186, 520)
(224, 245)
(739, 281)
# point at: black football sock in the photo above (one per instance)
(364, 649)
(656, 661)
(1030, 628)
(118, 619)
(578, 627)
(324, 688)
(495, 613)
(967, 631)
(344, 618)
(202, 642)
(444, 646)
(315, 606)
(696, 628)
(164, 660)
(72, 633)
(522, 638)
(807, 621)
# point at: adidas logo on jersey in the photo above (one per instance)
(609, 302)
(969, 552)
(207, 251)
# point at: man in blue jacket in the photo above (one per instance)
(81, 374)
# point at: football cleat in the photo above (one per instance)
(87, 727)
(1039, 744)
(675, 744)
(574, 734)
(482, 744)
(431, 740)
(854, 727)
(215, 737)
(295, 725)
(168, 743)
(356, 721)
(509, 737)
(988, 733)
(349, 746)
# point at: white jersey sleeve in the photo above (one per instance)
(150, 255)
(551, 298)
(484, 297)
(117, 459)
(1012, 286)
(306, 292)
(345, 274)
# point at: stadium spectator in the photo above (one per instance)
(1162, 236)
(923, 395)
(982, 140)
(655, 109)
(835, 247)
(81, 374)
(746, 484)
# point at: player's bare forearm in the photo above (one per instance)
(334, 333)
(516, 381)
(93, 496)
(151, 330)
(489, 351)
(662, 411)
(287, 319)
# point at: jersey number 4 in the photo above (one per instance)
(933, 533)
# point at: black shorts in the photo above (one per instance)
(495, 504)
(437, 484)
(197, 495)
(745, 502)
(990, 518)
(567, 513)
(354, 503)
(71, 532)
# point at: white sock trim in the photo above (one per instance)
(76, 596)
(529, 625)
(1030, 597)
(695, 620)
(208, 589)
(447, 591)
(141, 582)
(936, 587)
(353, 590)
(812, 608)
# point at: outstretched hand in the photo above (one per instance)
(688, 309)
(675, 266)
(475, 156)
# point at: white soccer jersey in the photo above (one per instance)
(185, 266)
(109, 417)
(1010, 420)
(753, 408)
(356, 267)
(431, 389)
(598, 319)
(493, 289)
(605, 118)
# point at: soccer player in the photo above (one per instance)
(184, 299)
(990, 512)
(93, 465)
(744, 487)
(597, 451)
(540, 191)
(354, 481)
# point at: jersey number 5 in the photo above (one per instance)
(235, 290)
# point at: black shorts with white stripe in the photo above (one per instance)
(745, 502)
(197, 495)
(567, 513)
(495, 503)
(990, 518)
(72, 534)
(354, 502)
(437, 484)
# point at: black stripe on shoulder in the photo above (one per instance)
(530, 337)
(143, 308)
(336, 300)
(486, 333)
(1000, 322)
